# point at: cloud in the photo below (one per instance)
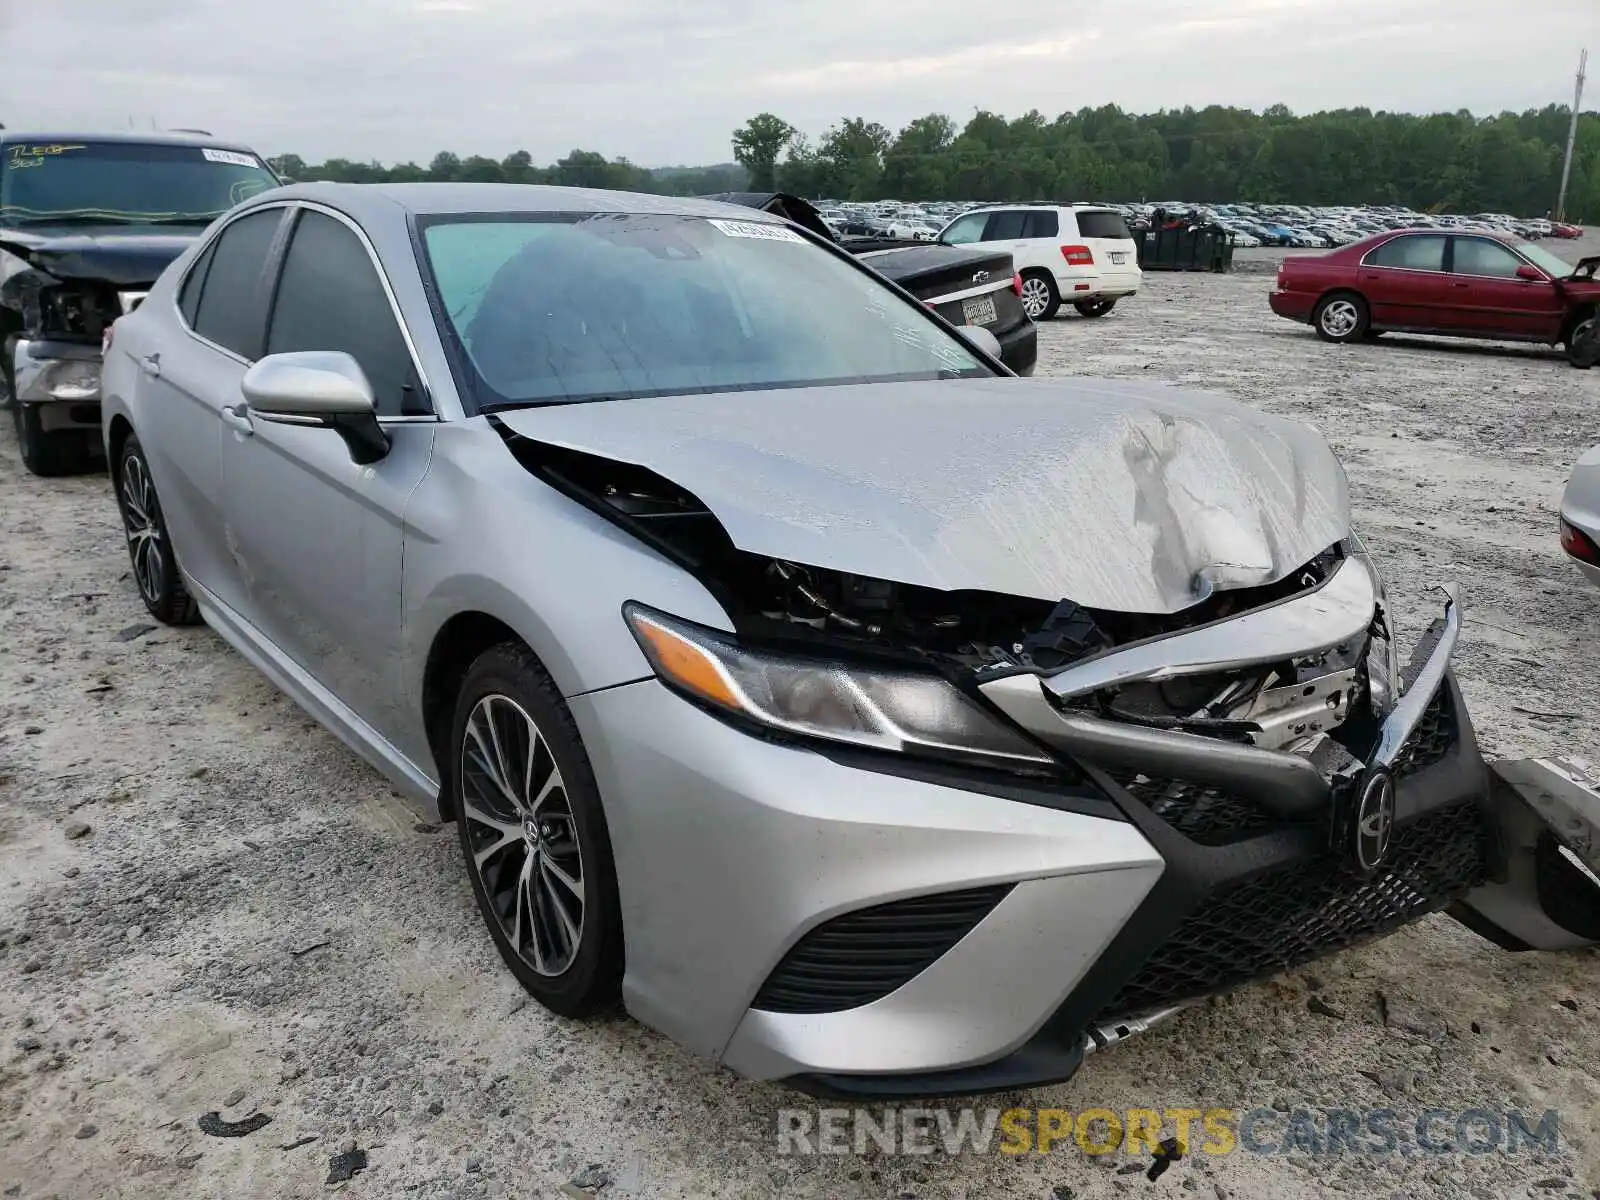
(667, 83)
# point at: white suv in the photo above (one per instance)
(1079, 253)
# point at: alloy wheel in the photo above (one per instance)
(141, 517)
(1340, 318)
(520, 830)
(1035, 297)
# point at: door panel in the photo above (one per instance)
(316, 536)
(1488, 300)
(317, 539)
(184, 385)
(1404, 282)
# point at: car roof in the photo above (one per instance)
(1494, 235)
(444, 199)
(10, 137)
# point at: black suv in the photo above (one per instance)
(87, 223)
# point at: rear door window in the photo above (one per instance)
(232, 309)
(1005, 226)
(189, 294)
(1102, 223)
(1420, 253)
(1041, 224)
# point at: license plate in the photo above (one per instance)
(979, 310)
(1119, 259)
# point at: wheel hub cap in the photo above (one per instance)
(522, 835)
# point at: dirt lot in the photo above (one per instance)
(254, 923)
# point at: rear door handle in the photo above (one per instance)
(238, 419)
(150, 364)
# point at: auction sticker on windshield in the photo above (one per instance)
(757, 229)
(232, 157)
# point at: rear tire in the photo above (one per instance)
(1040, 299)
(50, 453)
(546, 885)
(1094, 308)
(155, 563)
(1341, 317)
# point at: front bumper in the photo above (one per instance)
(744, 865)
(63, 375)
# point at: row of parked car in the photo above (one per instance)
(859, 714)
(1303, 226)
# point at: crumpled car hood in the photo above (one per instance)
(121, 255)
(1118, 495)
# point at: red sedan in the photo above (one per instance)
(1482, 285)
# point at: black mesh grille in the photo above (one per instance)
(1433, 737)
(1203, 814)
(1300, 912)
(863, 956)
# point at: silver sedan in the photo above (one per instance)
(1580, 515)
(857, 713)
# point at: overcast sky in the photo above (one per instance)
(665, 81)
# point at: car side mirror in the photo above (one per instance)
(1529, 272)
(980, 338)
(322, 388)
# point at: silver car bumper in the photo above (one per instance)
(730, 849)
(62, 375)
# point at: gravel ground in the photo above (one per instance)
(254, 923)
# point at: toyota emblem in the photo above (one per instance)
(1374, 823)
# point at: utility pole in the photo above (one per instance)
(1572, 136)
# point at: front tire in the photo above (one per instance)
(1040, 299)
(1583, 341)
(155, 563)
(1342, 317)
(1094, 308)
(50, 453)
(533, 834)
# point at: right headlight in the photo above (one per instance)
(882, 709)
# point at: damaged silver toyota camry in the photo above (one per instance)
(860, 714)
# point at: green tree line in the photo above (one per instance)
(1454, 162)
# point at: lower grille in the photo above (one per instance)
(863, 956)
(1206, 815)
(1300, 912)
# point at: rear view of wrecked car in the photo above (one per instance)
(87, 223)
(863, 715)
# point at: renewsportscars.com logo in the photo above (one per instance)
(1169, 1133)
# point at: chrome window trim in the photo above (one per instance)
(377, 265)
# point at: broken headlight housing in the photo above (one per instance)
(877, 708)
(1384, 682)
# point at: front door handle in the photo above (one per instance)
(238, 419)
(150, 364)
